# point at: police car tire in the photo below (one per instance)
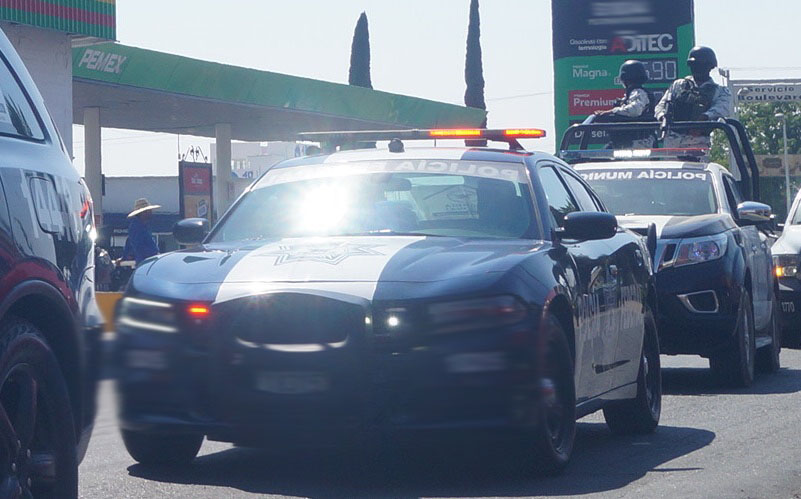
(735, 366)
(640, 415)
(551, 457)
(151, 449)
(768, 359)
(25, 356)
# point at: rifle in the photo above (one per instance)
(667, 119)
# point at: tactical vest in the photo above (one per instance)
(692, 100)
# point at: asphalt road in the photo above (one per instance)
(712, 442)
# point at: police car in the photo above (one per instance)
(714, 279)
(786, 260)
(397, 291)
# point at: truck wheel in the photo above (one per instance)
(641, 414)
(162, 449)
(550, 444)
(37, 429)
(768, 358)
(735, 366)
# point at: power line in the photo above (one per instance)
(520, 96)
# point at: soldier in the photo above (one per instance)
(635, 106)
(694, 98)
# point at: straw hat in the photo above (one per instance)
(142, 205)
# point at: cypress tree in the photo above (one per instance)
(359, 74)
(473, 68)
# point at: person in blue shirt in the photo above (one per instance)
(140, 244)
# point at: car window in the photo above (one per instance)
(653, 191)
(560, 201)
(17, 117)
(732, 193)
(583, 196)
(425, 197)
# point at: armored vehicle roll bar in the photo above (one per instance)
(584, 136)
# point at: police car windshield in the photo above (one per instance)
(653, 191)
(419, 197)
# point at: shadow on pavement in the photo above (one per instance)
(700, 381)
(601, 462)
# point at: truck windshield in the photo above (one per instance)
(653, 191)
(425, 197)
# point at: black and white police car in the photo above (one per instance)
(786, 263)
(394, 291)
(714, 278)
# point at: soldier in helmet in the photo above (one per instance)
(694, 98)
(637, 105)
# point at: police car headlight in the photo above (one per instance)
(786, 265)
(476, 313)
(150, 315)
(700, 249)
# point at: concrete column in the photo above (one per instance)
(93, 173)
(222, 132)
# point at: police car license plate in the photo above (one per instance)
(292, 382)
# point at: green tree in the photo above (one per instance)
(359, 74)
(474, 68)
(765, 133)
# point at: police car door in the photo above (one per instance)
(596, 292)
(758, 254)
(624, 322)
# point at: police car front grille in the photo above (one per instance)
(294, 318)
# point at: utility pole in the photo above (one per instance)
(782, 117)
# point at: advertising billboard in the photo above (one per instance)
(195, 186)
(592, 38)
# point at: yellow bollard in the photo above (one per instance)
(107, 302)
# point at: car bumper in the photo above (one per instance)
(790, 303)
(474, 381)
(697, 308)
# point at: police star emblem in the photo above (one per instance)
(330, 253)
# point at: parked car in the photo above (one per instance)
(786, 262)
(471, 291)
(714, 278)
(49, 322)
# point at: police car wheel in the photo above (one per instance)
(768, 358)
(37, 430)
(161, 449)
(552, 440)
(641, 414)
(735, 366)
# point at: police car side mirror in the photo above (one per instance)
(588, 225)
(753, 213)
(190, 231)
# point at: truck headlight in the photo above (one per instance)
(152, 315)
(700, 249)
(786, 265)
(476, 313)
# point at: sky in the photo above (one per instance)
(417, 49)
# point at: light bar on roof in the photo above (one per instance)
(509, 135)
(683, 154)
(456, 132)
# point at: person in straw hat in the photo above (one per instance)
(140, 243)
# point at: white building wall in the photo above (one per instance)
(48, 56)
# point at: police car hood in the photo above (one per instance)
(790, 241)
(351, 265)
(676, 227)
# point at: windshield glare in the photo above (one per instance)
(653, 191)
(425, 197)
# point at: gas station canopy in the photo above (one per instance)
(146, 90)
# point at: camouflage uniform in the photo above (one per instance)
(687, 101)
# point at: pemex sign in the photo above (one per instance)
(592, 38)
